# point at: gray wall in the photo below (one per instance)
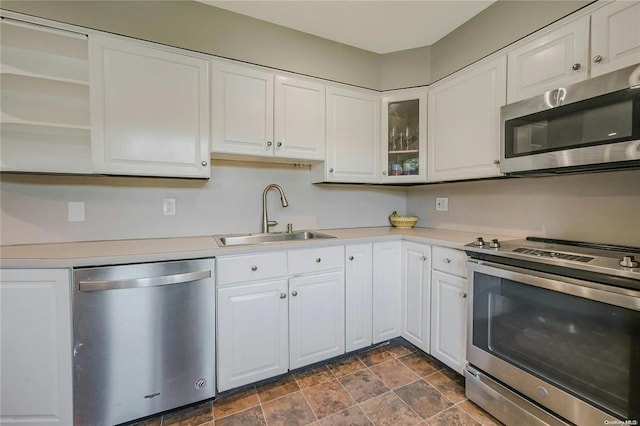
(196, 26)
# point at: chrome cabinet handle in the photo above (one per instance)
(254, 268)
(204, 164)
(424, 258)
(294, 293)
(350, 257)
(269, 143)
(463, 294)
(496, 162)
(447, 260)
(144, 282)
(279, 144)
(283, 295)
(384, 172)
(331, 170)
(318, 260)
(597, 59)
(576, 66)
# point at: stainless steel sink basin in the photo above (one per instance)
(274, 237)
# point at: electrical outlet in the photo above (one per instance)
(442, 204)
(169, 206)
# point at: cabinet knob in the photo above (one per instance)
(597, 59)
(350, 257)
(279, 144)
(496, 162)
(463, 294)
(331, 170)
(204, 164)
(384, 172)
(254, 268)
(294, 293)
(269, 143)
(447, 260)
(283, 295)
(576, 66)
(424, 258)
(318, 260)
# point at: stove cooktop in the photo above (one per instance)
(597, 258)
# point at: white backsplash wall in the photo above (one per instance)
(34, 208)
(599, 207)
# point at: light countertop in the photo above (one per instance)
(93, 253)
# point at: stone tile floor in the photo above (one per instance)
(393, 384)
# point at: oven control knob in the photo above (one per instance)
(478, 242)
(494, 243)
(629, 262)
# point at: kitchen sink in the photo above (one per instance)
(274, 237)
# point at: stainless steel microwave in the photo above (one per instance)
(591, 125)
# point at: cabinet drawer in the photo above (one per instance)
(449, 260)
(253, 267)
(313, 260)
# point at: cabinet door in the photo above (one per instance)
(359, 294)
(353, 136)
(316, 312)
(449, 319)
(464, 123)
(35, 349)
(149, 110)
(555, 59)
(615, 37)
(404, 136)
(299, 119)
(416, 294)
(252, 333)
(242, 111)
(387, 299)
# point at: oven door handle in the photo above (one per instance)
(617, 296)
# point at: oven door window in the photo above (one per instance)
(589, 349)
(595, 121)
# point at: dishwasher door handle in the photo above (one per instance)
(91, 285)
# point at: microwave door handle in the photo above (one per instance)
(91, 285)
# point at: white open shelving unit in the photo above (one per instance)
(44, 122)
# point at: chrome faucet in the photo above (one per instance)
(266, 223)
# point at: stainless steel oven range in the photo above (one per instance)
(554, 332)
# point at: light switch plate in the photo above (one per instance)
(75, 211)
(442, 204)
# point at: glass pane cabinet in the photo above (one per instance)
(404, 136)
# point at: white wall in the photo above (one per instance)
(599, 207)
(34, 208)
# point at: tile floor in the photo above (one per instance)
(394, 384)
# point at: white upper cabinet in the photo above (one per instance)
(353, 137)
(259, 114)
(44, 99)
(463, 123)
(149, 110)
(404, 136)
(555, 59)
(615, 37)
(299, 127)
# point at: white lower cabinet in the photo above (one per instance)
(449, 307)
(316, 318)
(416, 294)
(359, 296)
(387, 301)
(35, 347)
(252, 333)
(278, 311)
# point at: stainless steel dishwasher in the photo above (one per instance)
(144, 339)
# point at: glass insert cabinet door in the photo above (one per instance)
(404, 136)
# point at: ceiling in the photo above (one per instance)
(381, 26)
